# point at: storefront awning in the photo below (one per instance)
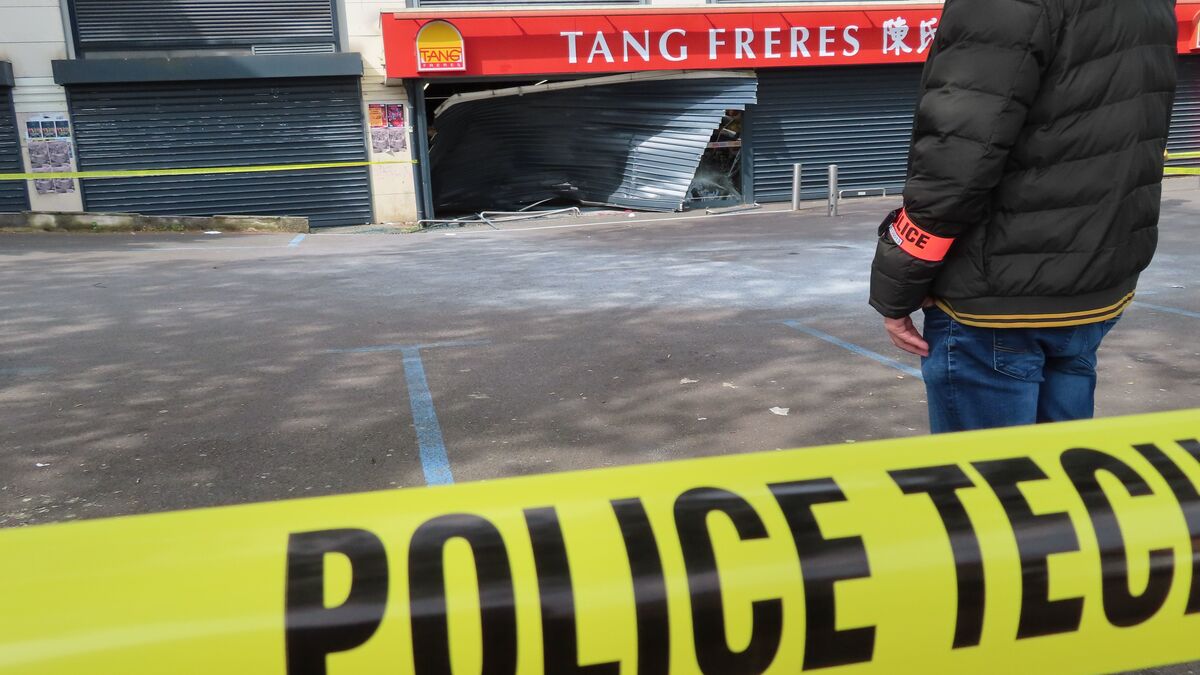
(421, 43)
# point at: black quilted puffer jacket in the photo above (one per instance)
(1035, 172)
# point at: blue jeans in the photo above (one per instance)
(981, 378)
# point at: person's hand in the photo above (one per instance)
(905, 336)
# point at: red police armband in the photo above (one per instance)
(917, 242)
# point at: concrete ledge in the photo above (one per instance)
(134, 222)
(260, 223)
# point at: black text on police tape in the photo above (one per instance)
(313, 631)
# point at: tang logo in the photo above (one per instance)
(440, 48)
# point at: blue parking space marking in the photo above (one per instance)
(434, 460)
(431, 445)
(1168, 310)
(851, 347)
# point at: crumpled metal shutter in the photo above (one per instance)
(858, 118)
(167, 24)
(221, 124)
(632, 144)
(14, 196)
(1185, 117)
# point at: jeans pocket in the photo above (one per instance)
(1107, 326)
(1016, 354)
(936, 318)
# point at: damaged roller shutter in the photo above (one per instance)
(631, 141)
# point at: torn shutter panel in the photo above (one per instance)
(633, 144)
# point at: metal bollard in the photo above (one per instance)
(833, 190)
(796, 173)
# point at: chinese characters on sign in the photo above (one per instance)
(928, 33)
(50, 151)
(388, 131)
(895, 32)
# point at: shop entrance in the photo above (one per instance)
(643, 141)
(718, 181)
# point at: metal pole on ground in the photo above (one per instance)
(796, 173)
(833, 189)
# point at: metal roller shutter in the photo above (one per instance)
(1185, 118)
(858, 118)
(222, 124)
(628, 144)
(13, 194)
(173, 24)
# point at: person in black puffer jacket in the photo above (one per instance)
(1032, 202)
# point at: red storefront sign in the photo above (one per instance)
(698, 38)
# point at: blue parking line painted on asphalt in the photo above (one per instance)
(851, 347)
(1168, 310)
(296, 240)
(434, 460)
(431, 445)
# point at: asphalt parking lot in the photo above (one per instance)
(143, 373)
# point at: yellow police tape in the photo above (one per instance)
(197, 171)
(194, 171)
(1056, 549)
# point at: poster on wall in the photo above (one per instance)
(50, 151)
(388, 130)
(376, 114)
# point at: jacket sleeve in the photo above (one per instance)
(981, 78)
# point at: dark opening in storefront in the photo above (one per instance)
(718, 181)
(645, 141)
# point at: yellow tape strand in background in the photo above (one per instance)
(141, 173)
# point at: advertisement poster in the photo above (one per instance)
(395, 115)
(50, 151)
(376, 114)
(388, 130)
